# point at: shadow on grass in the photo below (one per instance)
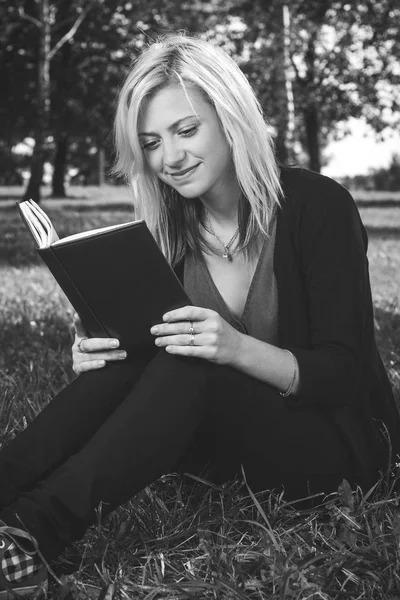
(384, 203)
(35, 363)
(383, 232)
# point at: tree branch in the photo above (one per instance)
(23, 15)
(70, 34)
(295, 69)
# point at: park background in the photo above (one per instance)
(327, 74)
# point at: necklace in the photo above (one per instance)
(226, 253)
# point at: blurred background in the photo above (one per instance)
(327, 74)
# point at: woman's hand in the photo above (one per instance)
(92, 353)
(213, 338)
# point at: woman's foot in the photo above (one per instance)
(21, 569)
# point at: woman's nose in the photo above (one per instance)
(173, 154)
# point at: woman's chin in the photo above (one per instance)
(187, 193)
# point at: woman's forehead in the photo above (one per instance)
(171, 104)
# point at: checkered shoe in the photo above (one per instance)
(21, 571)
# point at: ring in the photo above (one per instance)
(191, 343)
(191, 328)
(79, 345)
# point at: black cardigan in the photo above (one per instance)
(325, 317)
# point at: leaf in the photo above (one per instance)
(346, 495)
(347, 536)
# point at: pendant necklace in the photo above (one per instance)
(226, 253)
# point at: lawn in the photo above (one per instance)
(182, 538)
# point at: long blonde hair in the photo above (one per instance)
(179, 59)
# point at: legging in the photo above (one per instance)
(113, 431)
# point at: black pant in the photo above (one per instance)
(112, 432)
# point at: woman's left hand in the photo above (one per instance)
(213, 338)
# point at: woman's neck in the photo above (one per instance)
(222, 205)
(223, 213)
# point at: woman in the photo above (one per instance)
(275, 367)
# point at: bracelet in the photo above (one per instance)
(291, 384)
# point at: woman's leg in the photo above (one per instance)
(150, 431)
(65, 425)
(301, 450)
(142, 439)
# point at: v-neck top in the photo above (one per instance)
(260, 314)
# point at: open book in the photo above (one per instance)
(116, 277)
(42, 228)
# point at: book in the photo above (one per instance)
(116, 277)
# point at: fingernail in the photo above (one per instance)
(157, 342)
(166, 316)
(122, 354)
(154, 330)
(114, 344)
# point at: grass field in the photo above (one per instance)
(182, 538)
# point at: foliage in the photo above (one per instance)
(17, 68)
(388, 179)
(344, 60)
(385, 179)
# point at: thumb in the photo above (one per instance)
(78, 326)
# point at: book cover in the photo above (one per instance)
(116, 278)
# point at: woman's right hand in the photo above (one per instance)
(89, 354)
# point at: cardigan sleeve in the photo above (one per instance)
(333, 244)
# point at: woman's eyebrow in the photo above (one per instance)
(174, 125)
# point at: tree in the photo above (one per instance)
(335, 59)
(285, 117)
(344, 57)
(17, 68)
(42, 98)
(87, 73)
(43, 22)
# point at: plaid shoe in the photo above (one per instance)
(21, 570)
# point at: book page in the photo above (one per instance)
(38, 223)
(91, 232)
(51, 235)
(43, 231)
(41, 234)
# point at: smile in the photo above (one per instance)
(179, 175)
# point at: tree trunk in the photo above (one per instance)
(311, 123)
(285, 121)
(311, 120)
(101, 162)
(43, 104)
(311, 83)
(60, 163)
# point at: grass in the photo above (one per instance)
(181, 537)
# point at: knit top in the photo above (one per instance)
(260, 314)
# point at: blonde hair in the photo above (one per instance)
(184, 60)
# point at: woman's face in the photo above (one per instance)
(184, 145)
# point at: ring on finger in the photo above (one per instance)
(79, 345)
(191, 328)
(191, 342)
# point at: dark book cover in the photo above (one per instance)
(118, 281)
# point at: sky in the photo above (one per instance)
(359, 152)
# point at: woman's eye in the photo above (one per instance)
(190, 131)
(152, 145)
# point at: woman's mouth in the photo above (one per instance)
(185, 173)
